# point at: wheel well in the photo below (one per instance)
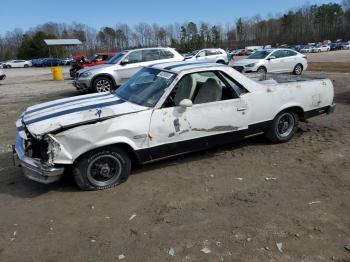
(127, 148)
(302, 67)
(262, 67)
(104, 75)
(298, 110)
(220, 61)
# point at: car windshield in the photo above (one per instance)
(146, 87)
(115, 59)
(259, 54)
(193, 53)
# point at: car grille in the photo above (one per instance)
(238, 68)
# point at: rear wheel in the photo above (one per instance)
(26, 66)
(102, 168)
(103, 84)
(298, 69)
(262, 70)
(283, 127)
(221, 62)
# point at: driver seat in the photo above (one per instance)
(185, 89)
(211, 91)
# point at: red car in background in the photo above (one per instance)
(81, 62)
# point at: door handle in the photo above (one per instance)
(241, 108)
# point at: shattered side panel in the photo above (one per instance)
(131, 129)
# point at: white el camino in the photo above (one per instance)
(164, 110)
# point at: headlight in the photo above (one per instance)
(250, 65)
(85, 74)
(53, 147)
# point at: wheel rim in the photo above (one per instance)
(103, 85)
(285, 125)
(261, 71)
(104, 170)
(298, 69)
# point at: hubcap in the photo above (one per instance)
(104, 170)
(103, 86)
(298, 70)
(285, 125)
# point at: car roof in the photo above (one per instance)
(177, 67)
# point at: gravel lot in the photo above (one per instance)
(223, 199)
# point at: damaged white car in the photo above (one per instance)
(164, 110)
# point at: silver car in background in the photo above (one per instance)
(279, 60)
(209, 55)
(121, 67)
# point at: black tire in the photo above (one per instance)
(298, 69)
(283, 127)
(262, 70)
(8, 66)
(103, 84)
(26, 66)
(94, 170)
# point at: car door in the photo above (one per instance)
(129, 66)
(212, 119)
(277, 64)
(291, 60)
(201, 56)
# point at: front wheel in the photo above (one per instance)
(26, 66)
(262, 70)
(102, 168)
(298, 70)
(103, 84)
(283, 127)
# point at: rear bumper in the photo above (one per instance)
(319, 111)
(33, 168)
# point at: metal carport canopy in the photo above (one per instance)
(66, 42)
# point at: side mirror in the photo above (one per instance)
(186, 103)
(124, 62)
(271, 57)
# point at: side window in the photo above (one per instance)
(135, 57)
(150, 55)
(201, 87)
(278, 54)
(290, 53)
(201, 54)
(165, 54)
(211, 52)
(239, 89)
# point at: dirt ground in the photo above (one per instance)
(239, 201)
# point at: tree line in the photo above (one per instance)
(309, 23)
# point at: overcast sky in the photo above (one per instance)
(29, 13)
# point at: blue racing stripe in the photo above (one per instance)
(184, 64)
(64, 102)
(74, 110)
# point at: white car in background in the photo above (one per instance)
(2, 75)
(211, 55)
(278, 60)
(17, 63)
(320, 48)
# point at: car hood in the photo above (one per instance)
(245, 62)
(91, 68)
(67, 113)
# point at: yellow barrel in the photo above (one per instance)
(57, 72)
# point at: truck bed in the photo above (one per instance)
(270, 78)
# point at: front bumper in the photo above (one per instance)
(33, 168)
(81, 85)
